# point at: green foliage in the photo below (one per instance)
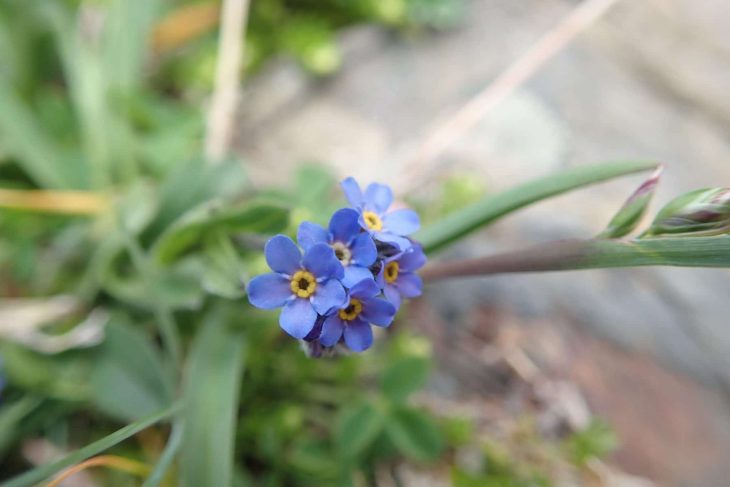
(213, 218)
(596, 441)
(484, 212)
(43, 472)
(404, 377)
(415, 434)
(129, 380)
(91, 109)
(213, 377)
(359, 426)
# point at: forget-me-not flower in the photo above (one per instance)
(306, 286)
(386, 226)
(354, 319)
(397, 276)
(354, 248)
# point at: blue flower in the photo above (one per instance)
(305, 286)
(354, 318)
(389, 227)
(397, 276)
(354, 248)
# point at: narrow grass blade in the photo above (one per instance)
(489, 209)
(42, 472)
(211, 403)
(11, 415)
(168, 455)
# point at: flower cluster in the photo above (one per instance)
(350, 275)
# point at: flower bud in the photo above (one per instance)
(631, 213)
(704, 211)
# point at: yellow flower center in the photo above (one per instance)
(352, 311)
(342, 253)
(372, 220)
(303, 284)
(391, 272)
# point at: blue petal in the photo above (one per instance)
(412, 260)
(392, 295)
(344, 225)
(401, 222)
(352, 191)
(358, 335)
(378, 197)
(269, 291)
(380, 277)
(365, 289)
(363, 250)
(355, 274)
(316, 329)
(328, 296)
(282, 255)
(401, 242)
(310, 233)
(320, 260)
(331, 331)
(378, 311)
(297, 318)
(409, 285)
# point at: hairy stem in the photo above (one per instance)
(567, 255)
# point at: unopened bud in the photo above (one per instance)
(631, 213)
(704, 211)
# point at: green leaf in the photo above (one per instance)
(42, 472)
(211, 404)
(192, 184)
(125, 42)
(128, 379)
(357, 428)
(61, 376)
(104, 134)
(467, 220)
(415, 434)
(11, 414)
(137, 207)
(404, 377)
(35, 151)
(223, 273)
(630, 215)
(313, 186)
(194, 226)
(177, 286)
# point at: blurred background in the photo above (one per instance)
(633, 366)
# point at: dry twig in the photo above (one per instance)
(222, 112)
(522, 69)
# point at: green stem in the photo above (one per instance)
(592, 254)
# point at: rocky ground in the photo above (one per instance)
(649, 348)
